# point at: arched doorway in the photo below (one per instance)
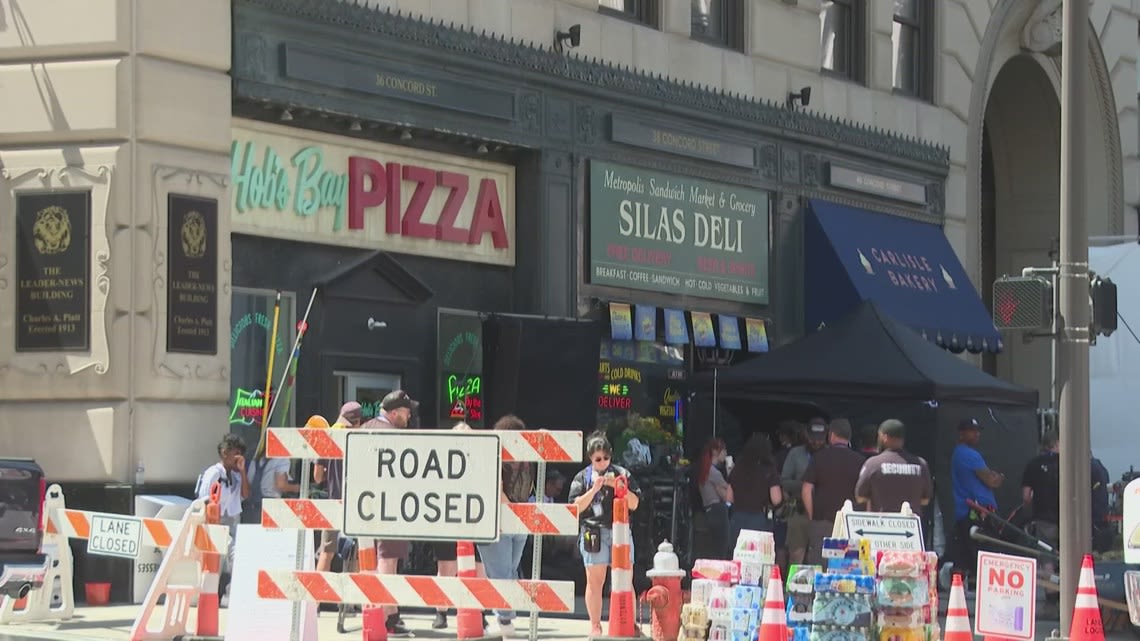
(1020, 166)
(1013, 164)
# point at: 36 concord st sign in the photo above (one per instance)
(312, 187)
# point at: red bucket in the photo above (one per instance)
(98, 593)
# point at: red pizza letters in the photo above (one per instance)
(371, 184)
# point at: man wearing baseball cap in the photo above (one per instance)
(396, 410)
(971, 480)
(895, 476)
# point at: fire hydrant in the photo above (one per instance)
(665, 595)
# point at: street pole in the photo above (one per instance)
(1076, 536)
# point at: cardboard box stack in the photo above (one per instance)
(733, 591)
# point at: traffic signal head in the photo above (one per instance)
(1023, 302)
(1102, 298)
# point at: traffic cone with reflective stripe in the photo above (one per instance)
(1087, 625)
(373, 617)
(957, 616)
(621, 623)
(774, 619)
(468, 622)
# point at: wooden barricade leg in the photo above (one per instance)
(177, 580)
(55, 600)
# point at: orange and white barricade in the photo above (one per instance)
(519, 447)
(416, 591)
(54, 600)
(546, 519)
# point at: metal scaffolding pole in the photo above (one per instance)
(1076, 535)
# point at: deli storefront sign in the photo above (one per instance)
(679, 235)
(311, 187)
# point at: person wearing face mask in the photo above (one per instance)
(592, 493)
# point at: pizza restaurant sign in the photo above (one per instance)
(300, 185)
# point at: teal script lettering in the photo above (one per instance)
(267, 184)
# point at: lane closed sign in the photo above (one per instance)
(422, 485)
(115, 536)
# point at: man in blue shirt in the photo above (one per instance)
(971, 479)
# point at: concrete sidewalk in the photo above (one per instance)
(113, 623)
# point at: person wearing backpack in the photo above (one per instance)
(268, 479)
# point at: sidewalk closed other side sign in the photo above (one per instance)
(422, 485)
(114, 536)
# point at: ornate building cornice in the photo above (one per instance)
(625, 80)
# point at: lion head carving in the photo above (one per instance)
(51, 231)
(194, 235)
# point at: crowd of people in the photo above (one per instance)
(796, 492)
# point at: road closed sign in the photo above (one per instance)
(886, 532)
(422, 485)
(115, 536)
(1007, 588)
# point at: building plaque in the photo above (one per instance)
(192, 275)
(630, 131)
(876, 185)
(53, 271)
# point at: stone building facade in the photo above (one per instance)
(131, 102)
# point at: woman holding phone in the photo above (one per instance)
(592, 492)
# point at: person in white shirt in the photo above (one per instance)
(229, 471)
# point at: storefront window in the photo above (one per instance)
(250, 330)
(641, 392)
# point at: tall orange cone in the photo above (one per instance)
(774, 619)
(622, 602)
(468, 621)
(957, 616)
(1086, 625)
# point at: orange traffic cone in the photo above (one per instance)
(468, 621)
(774, 620)
(957, 616)
(1086, 625)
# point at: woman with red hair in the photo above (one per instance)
(716, 495)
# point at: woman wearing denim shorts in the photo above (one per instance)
(592, 492)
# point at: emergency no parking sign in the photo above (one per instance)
(422, 485)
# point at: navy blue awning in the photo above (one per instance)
(907, 267)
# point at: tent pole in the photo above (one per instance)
(716, 374)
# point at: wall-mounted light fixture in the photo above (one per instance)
(286, 115)
(406, 134)
(375, 324)
(354, 125)
(573, 35)
(803, 97)
(481, 149)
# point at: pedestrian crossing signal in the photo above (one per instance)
(1023, 302)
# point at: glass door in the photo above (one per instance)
(368, 389)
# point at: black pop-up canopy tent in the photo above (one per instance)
(867, 367)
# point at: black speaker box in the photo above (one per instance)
(543, 370)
